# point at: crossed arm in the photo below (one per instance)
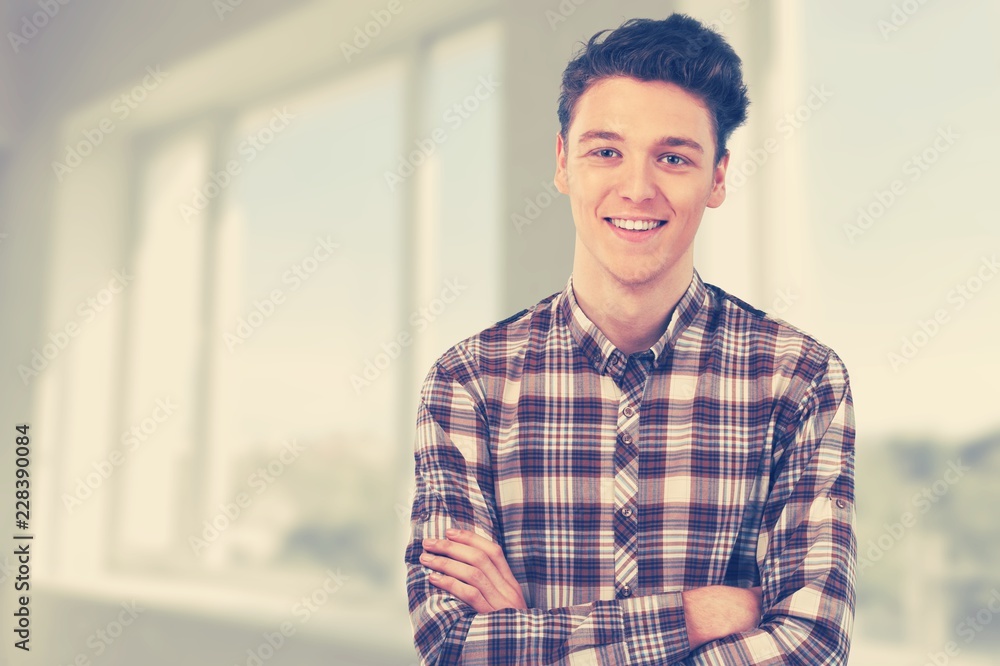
(475, 570)
(466, 607)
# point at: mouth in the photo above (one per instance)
(635, 225)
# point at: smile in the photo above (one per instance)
(634, 225)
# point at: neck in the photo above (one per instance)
(632, 316)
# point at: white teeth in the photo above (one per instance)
(640, 225)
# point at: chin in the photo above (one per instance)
(632, 277)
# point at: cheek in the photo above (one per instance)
(688, 197)
(582, 199)
(584, 181)
(589, 193)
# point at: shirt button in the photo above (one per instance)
(627, 512)
(628, 411)
(626, 591)
(627, 438)
(841, 503)
(425, 516)
(616, 359)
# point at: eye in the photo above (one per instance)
(675, 160)
(605, 152)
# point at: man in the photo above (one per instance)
(642, 468)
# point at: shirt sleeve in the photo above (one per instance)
(454, 487)
(807, 548)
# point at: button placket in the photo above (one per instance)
(632, 382)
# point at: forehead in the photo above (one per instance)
(637, 108)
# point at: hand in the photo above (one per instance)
(718, 610)
(473, 569)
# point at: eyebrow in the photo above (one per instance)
(672, 141)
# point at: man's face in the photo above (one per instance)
(641, 151)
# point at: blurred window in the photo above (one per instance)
(299, 265)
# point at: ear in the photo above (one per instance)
(562, 178)
(718, 194)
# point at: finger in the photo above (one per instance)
(460, 590)
(474, 567)
(490, 548)
(495, 586)
(467, 574)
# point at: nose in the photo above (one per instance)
(636, 180)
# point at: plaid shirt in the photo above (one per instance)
(723, 455)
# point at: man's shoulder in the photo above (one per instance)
(793, 349)
(493, 349)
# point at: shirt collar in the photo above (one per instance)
(600, 351)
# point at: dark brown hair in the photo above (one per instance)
(677, 50)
